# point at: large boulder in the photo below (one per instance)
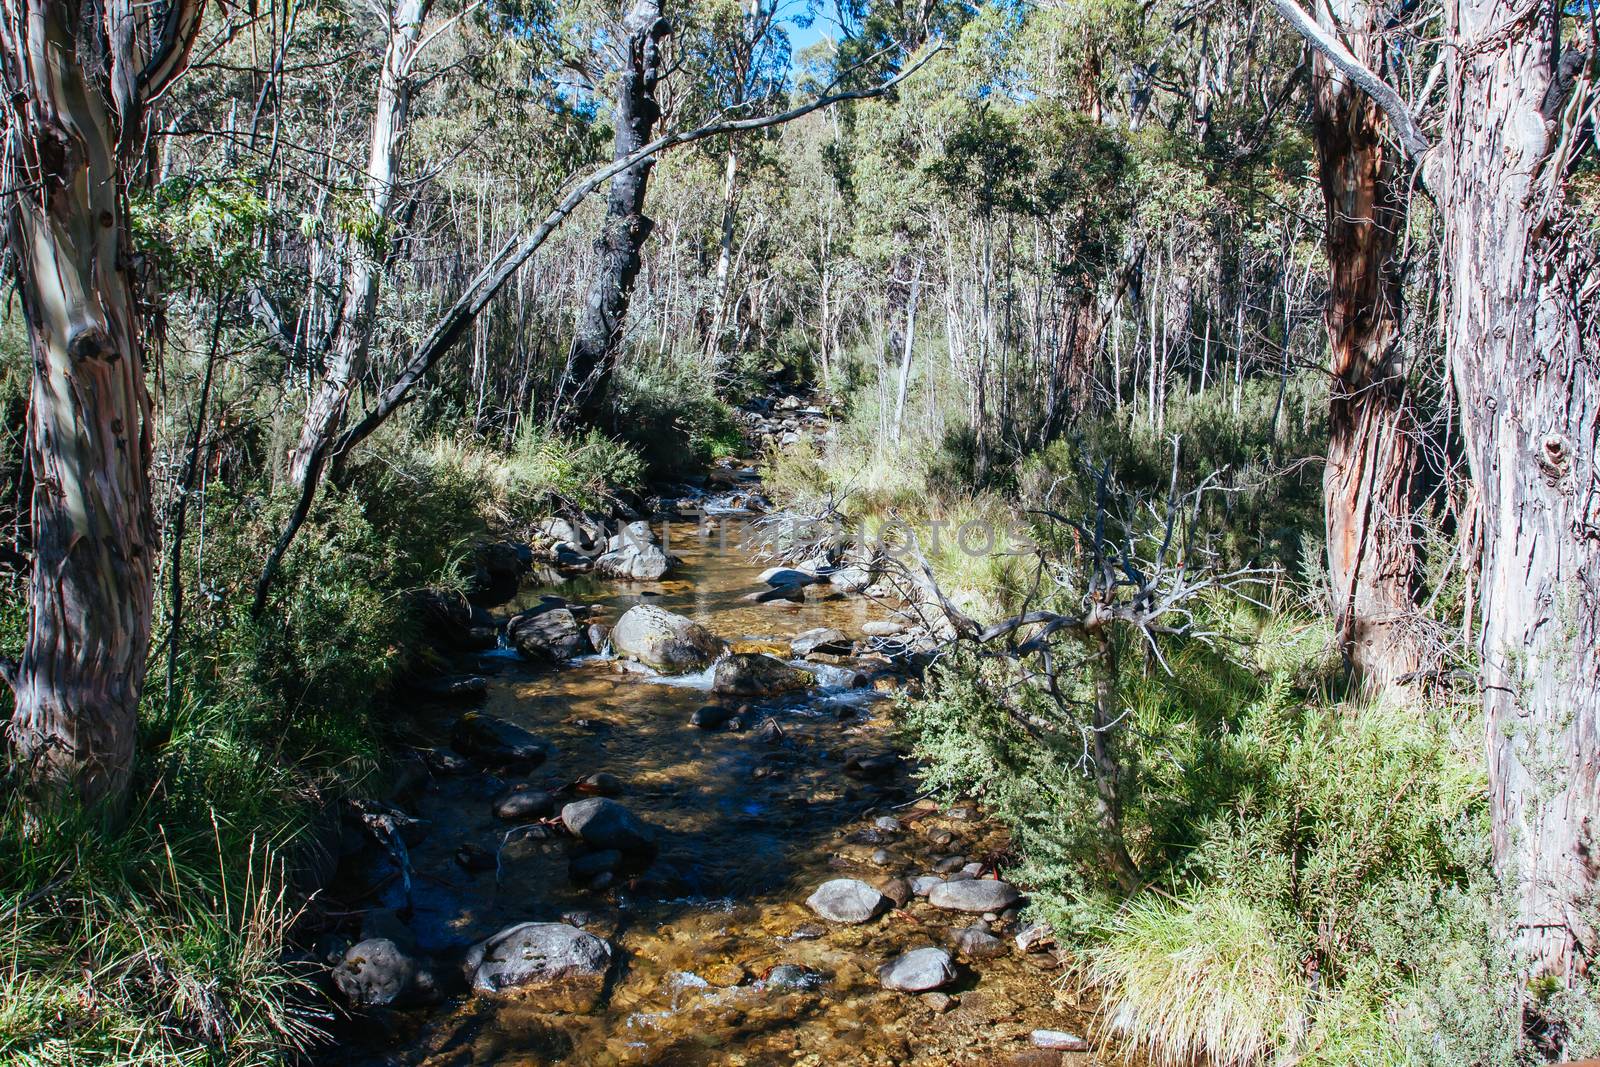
(497, 742)
(974, 895)
(602, 823)
(754, 674)
(556, 966)
(847, 900)
(497, 568)
(547, 634)
(377, 972)
(918, 971)
(663, 640)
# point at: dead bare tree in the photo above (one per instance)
(1126, 576)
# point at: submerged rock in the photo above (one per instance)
(523, 802)
(496, 741)
(1059, 1039)
(791, 978)
(918, 971)
(377, 972)
(557, 966)
(974, 895)
(757, 674)
(711, 717)
(605, 824)
(663, 640)
(847, 900)
(455, 687)
(976, 943)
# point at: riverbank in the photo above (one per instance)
(712, 952)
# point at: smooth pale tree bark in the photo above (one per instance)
(78, 79)
(363, 275)
(591, 359)
(1371, 473)
(1521, 339)
(907, 349)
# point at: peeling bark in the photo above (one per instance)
(1369, 481)
(590, 362)
(76, 87)
(1524, 347)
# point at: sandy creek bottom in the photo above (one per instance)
(748, 829)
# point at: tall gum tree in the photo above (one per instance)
(78, 81)
(1521, 336)
(1369, 481)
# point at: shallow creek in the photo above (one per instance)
(749, 826)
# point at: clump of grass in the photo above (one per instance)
(1202, 980)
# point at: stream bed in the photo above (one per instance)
(750, 822)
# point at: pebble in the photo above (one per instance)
(898, 890)
(976, 943)
(887, 823)
(882, 858)
(939, 1002)
(941, 836)
(950, 864)
(923, 884)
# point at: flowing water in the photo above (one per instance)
(750, 824)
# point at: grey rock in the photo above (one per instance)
(523, 802)
(376, 973)
(455, 686)
(887, 823)
(601, 784)
(976, 943)
(898, 890)
(494, 740)
(560, 965)
(823, 639)
(1035, 937)
(847, 900)
(974, 895)
(922, 885)
(605, 824)
(757, 674)
(950, 864)
(711, 717)
(792, 978)
(1060, 1040)
(663, 640)
(884, 627)
(918, 971)
(549, 635)
(591, 865)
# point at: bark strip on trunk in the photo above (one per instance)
(1369, 481)
(1524, 350)
(76, 87)
(591, 359)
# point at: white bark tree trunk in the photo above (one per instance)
(363, 275)
(77, 84)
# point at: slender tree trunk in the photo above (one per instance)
(719, 312)
(76, 85)
(1368, 483)
(910, 340)
(363, 276)
(1521, 340)
(591, 360)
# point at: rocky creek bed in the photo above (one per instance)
(595, 863)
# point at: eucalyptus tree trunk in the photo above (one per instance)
(1522, 343)
(77, 79)
(590, 361)
(1368, 483)
(363, 275)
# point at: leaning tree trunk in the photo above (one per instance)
(363, 276)
(76, 87)
(1368, 483)
(591, 359)
(1523, 349)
